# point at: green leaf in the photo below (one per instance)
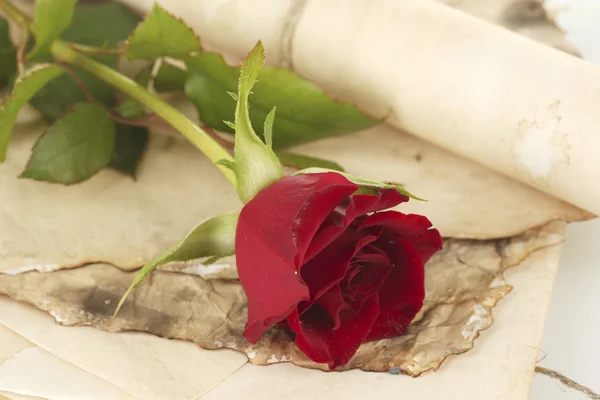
(301, 161)
(104, 25)
(256, 165)
(130, 144)
(130, 108)
(75, 147)
(304, 113)
(59, 96)
(365, 185)
(23, 91)
(88, 27)
(8, 55)
(161, 34)
(170, 78)
(50, 19)
(214, 237)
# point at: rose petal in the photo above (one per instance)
(331, 264)
(315, 337)
(373, 270)
(328, 191)
(360, 204)
(415, 228)
(325, 235)
(273, 233)
(333, 302)
(401, 296)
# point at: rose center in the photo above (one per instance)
(366, 275)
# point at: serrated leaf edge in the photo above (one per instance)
(157, 6)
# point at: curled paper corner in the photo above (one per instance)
(463, 283)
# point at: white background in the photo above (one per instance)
(571, 342)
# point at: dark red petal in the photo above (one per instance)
(328, 191)
(373, 270)
(371, 249)
(362, 204)
(316, 339)
(333, 302)
(274, 230)
(331, 264)
(401, 297)
(415, 228)
(368, 273)
(371, 258)
(322, 239)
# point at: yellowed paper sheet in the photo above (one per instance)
(142, 366)
(473, 88)
(122, 224)
(27, 369)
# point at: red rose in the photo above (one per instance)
(330, 265)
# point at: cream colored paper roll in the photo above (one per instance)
(478, 90)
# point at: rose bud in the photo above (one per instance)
(330, 265)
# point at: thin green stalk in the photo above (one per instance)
(63, 52)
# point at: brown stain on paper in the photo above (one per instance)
(463, 283)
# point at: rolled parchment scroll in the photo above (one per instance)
(516, 106)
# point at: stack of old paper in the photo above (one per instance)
(500, 131)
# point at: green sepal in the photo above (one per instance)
(301, 161)
(214, 237)
(256, 165)
(227, 164)
(233, 95)
(365, 185)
